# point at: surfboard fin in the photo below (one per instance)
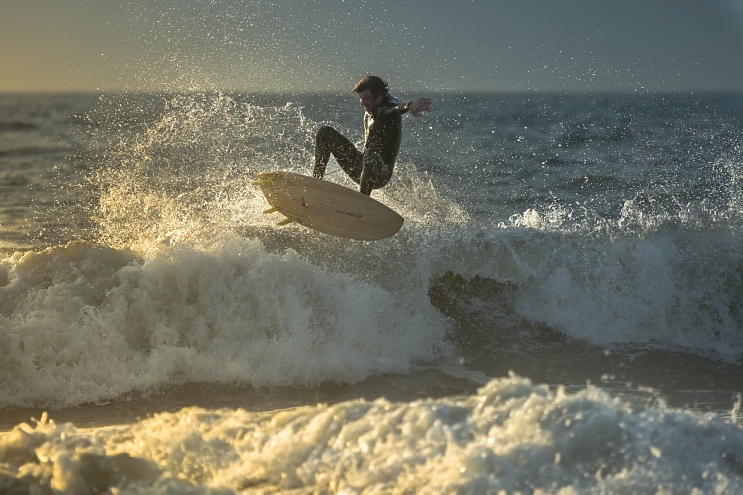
(287, 221)
(272, 210)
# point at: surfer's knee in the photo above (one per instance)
(372, 159)
(324, 132)
(374, 164)
(375, 173)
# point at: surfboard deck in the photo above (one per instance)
(328, 207)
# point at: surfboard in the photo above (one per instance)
(327, 207)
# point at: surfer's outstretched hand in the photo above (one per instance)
(417, 107)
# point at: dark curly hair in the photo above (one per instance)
(373, 83)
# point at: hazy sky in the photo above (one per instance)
(291, 45)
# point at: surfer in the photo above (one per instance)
(371, 168)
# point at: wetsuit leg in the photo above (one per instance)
(375, 172)
(328, 141)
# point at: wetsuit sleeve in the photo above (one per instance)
(398, 108)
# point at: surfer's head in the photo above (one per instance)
(372, 91)
(373, 83)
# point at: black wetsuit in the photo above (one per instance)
(372, 168)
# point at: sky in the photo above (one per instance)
(327, 45)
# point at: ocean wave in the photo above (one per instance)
(183, 279)
(85, 323)
(17, 125)
(665, 291)
(266, 306)
(511, 436)
(26, 151)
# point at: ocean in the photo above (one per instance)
(561, 312)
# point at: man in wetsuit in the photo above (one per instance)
(372, 168)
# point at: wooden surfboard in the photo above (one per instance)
(328, 207)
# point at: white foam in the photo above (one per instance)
(673, 287)
(82, 323)
(511, 436)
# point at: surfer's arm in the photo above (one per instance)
(415, 107)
